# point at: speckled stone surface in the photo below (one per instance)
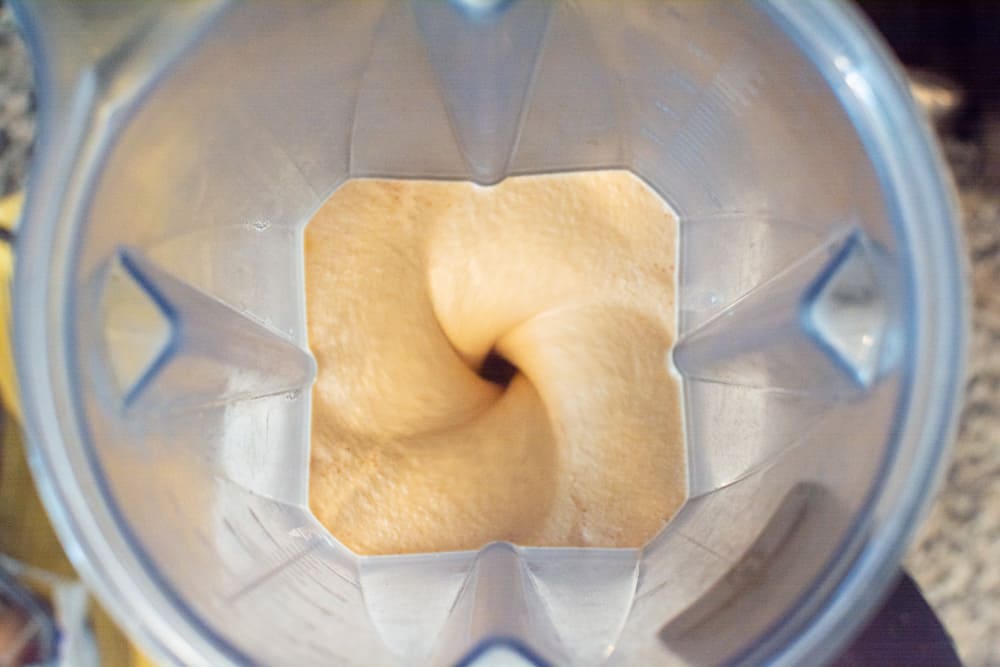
(17, 117)
(956, 558)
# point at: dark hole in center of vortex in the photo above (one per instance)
(497, 370)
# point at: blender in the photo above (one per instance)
(164, 367)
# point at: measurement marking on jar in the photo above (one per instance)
(266, 576)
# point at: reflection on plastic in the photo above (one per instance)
(714, 627)
(172, 347)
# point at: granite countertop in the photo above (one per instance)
(17, 108)
(956, 557)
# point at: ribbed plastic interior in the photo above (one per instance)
(195, 371)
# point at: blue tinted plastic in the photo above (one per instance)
(195, 141)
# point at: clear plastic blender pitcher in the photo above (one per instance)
(165, 371)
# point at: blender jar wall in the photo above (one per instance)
(203, 138)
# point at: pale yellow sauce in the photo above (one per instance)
(410, 284)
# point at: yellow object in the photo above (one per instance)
(25, 531)
(10, 208)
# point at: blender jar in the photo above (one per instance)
(161, 342)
